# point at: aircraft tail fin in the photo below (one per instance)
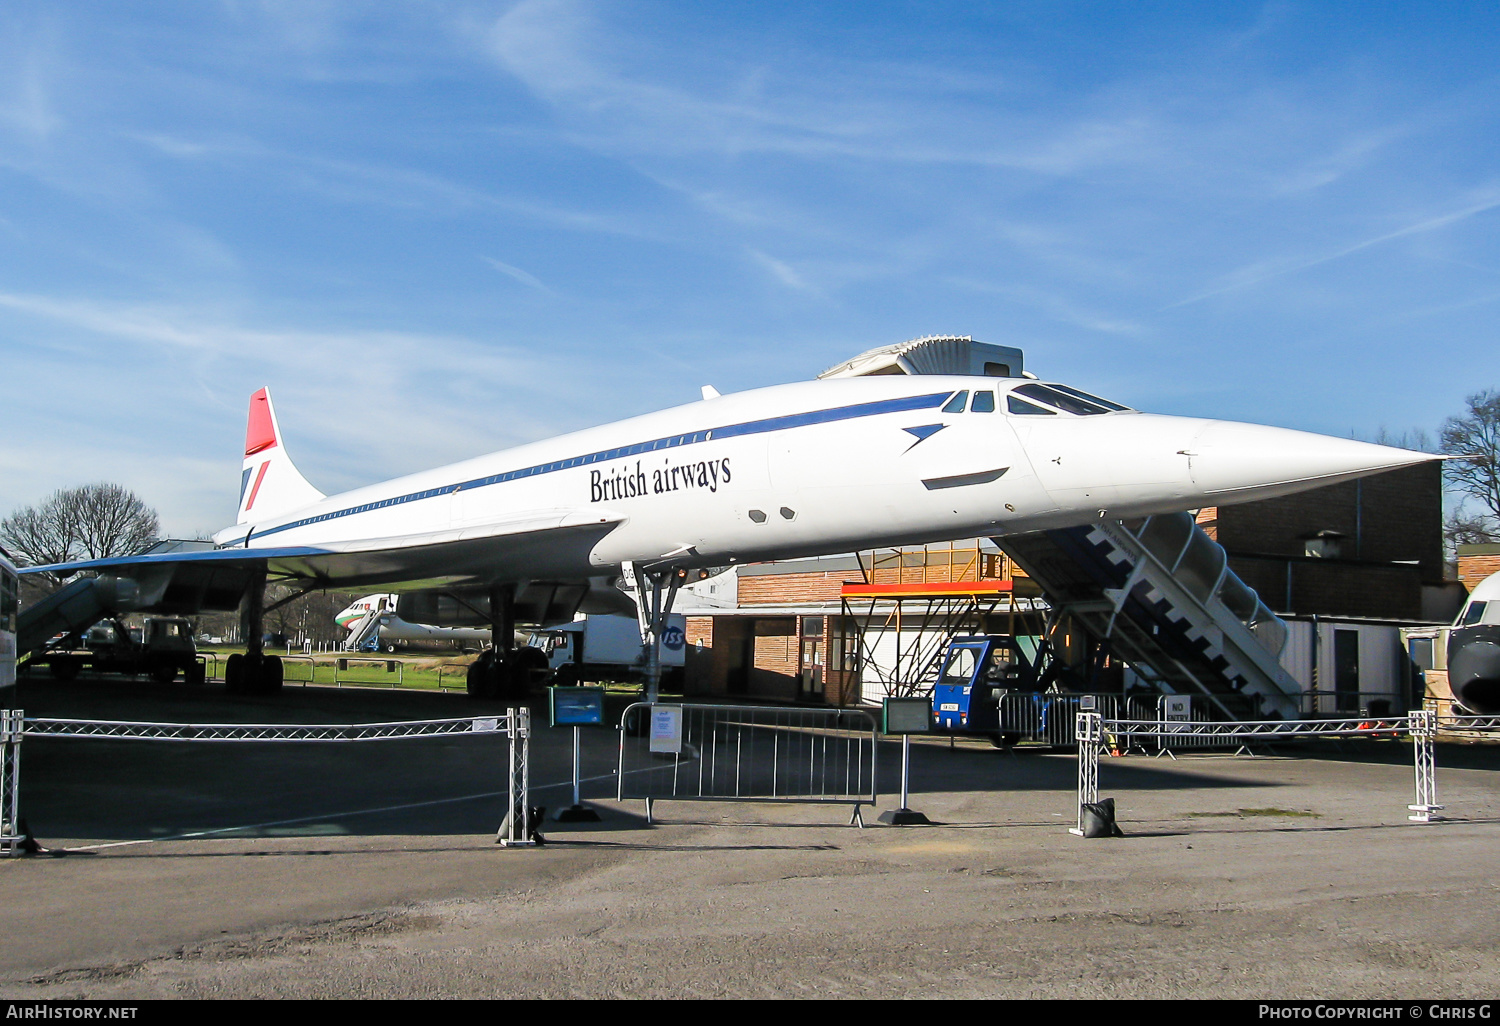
(270, 483)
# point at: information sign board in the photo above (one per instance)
(666, 729)
(572, 707)
(906, 716)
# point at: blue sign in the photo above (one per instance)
(673, 638)
(572, 707)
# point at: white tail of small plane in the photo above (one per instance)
(270, 483)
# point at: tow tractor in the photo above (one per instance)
(976, 671)
(164, 648)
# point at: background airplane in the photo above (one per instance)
(1474, 650)
(373, 624)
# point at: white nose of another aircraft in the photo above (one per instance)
(1240, 462)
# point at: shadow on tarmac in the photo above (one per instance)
(113, 790)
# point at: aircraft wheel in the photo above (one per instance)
(481, 678)
(234, 674)
(530, 668)
(271, 675)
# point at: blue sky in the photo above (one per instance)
(438, 229)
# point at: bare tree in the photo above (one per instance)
(92, 522)
(1476, 438)
(1464, 528)
(1414, 438)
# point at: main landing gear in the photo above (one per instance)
(253, 673)
(503, 670)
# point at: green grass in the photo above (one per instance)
(418, 672)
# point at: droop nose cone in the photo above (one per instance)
(1474, 668)
(1239, 462)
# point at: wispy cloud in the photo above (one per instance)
(27, 62)
(782, 272)
(1256, 274)
(357, 404)
(529, 280)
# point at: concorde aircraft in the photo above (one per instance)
(842, 463)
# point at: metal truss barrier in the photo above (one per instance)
(516, 831)
(1093, 733)
(736, 753)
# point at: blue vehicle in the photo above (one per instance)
(975, 672)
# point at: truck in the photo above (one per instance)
(608, 647)
(163, 648)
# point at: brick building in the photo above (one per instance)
(1476, 562)
(790, 633)
(1366, 548)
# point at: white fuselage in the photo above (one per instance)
(394, 630)
(826, 466)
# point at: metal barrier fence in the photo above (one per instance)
(516, 830)
(1315, 703)
(1048, 718)
(747, 753)
(288, 661)
(459, 670)
(1094, 732)
(346, 665)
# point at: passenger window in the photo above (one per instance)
(956, 404)
(1021, 406)
(984, 402)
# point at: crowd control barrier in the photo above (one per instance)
(1094, 733)
(736, 753)
(516, 830)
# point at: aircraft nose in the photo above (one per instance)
(1249, 461)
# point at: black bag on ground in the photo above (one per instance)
(1099, 819)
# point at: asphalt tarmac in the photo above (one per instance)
(369, 870)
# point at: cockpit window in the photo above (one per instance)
(956, 404)
(1021, 406)
(1062, 400)
(984, 402)
(1473, 614)
(1090, 397)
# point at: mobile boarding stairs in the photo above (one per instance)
(1158, 593)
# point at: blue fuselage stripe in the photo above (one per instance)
(751, 427)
